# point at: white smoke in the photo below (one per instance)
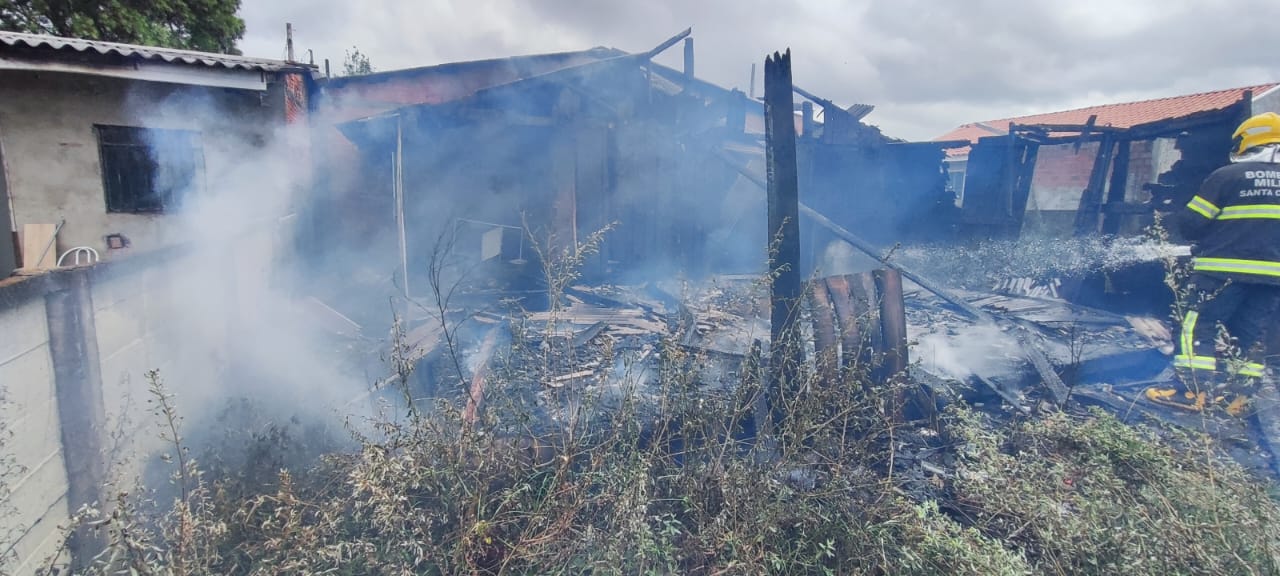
(966, 351)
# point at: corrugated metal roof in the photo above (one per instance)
(150, 53)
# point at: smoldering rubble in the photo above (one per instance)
(646, 186)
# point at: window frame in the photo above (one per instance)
(127, 158)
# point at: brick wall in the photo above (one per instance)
(1062, 174)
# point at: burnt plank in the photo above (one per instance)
(847, 314)
(826, 346)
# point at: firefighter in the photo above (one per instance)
(1234, 223)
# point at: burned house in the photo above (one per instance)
(1101, 169)
(670, 163)
(1089, 180)
(614, 141)
(102, 143)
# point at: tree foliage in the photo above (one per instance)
(356, 63)
(205, 25)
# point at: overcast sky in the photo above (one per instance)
(927, 65)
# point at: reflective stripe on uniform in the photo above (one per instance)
(1232, 265)
(1188, 330)
(1250, 211)
(1204, 207)
(1206, 363)
(1188, 358)
(1252, 370)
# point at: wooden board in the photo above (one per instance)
(37, 239)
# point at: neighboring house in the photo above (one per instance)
(114, 138)
(1149, 136)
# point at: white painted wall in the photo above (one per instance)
(31, 415)
(146, 316)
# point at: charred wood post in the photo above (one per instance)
(806, 112)
(688, 58)
(785, 352)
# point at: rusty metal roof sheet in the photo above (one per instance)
(149, 53)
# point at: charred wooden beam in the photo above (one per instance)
(1085, 131)
(1088, 212)
(855, 112)
(1082, 129)
(785, 292)
(1116, 191)
(475, 396)
(669, 42)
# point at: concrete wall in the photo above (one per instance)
(166, 311)
(51, 150)
(38, 478)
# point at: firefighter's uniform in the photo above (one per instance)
(1234, 222)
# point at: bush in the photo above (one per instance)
(436, 495)
(1091, 495)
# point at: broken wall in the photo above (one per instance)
(1062, 175)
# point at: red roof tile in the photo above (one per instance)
(1123, 115)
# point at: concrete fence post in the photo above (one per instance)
(73, 347)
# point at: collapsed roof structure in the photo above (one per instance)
(488, 188)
